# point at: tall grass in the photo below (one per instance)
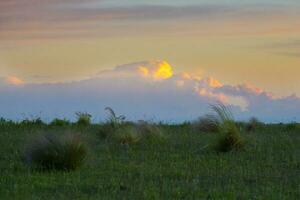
(253, 124)
(206, 123)
(292, 126)
(150, 131)
(127, 135)
(229, 137)
(59, 122)
(114, 120)
(222, 113)
(83, 118)
(112, 124)
(56, 152)
(123, 132)
(6, 123)
(34, 121)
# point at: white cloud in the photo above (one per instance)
(144, 90)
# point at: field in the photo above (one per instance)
(183, 166)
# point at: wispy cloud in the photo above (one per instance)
(290, 54)
(46, 19)
(290, 48)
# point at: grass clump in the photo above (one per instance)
(117, 129)
(151, 132)
(127, 135)
(112, 124)
(253, 124)
(206, 124)
(53, 152)
(35, 121)
(60, 122)
(113, 120)
(229, 137)
(106, 131)
(292, 126)
(83, 118)
(4, 122)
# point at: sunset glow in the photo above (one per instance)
(157, 70)
(149, 99)
(214, 82)
(163, 71)
(14, 81)
(242, 53)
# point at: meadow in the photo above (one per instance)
(182, 165)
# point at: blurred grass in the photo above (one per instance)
(180, 168)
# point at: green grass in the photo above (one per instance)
(229, 137)
(83, 118)
(54, 151)
(179, 168)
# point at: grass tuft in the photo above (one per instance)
(292, 126)
(253, 124)
(53, 152)
(6, 123)
(127, 135)
(32, 122)
(123, 132)
(150, 132)
(112, 124)
(229, 137)
(207, 124)
(113, 120)
(60, 122)
(83, 118)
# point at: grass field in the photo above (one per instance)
(180, 167)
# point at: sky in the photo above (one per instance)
(48, 48)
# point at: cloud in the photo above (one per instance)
(290, 54)
(288, 48)
(161, 70)
(56, 19)
(13, 80)
(156, 92)
(153, 70)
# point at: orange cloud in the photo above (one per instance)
(144, 71)
(186, 75)
(214, 83)
(190, 76)
(258, 91)
(13, 80)
(218, 96)
(253, 89)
